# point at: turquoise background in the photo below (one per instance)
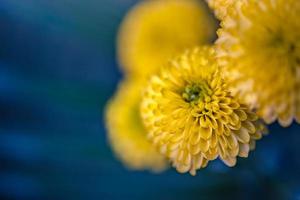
(57, 71)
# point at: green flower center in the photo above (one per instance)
(285, 47)
(195, 92)
(282, 43)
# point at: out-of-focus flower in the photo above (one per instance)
(155, 30)
(259, 46)
(193, 118)
(126, 131)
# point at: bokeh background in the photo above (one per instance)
(57, 71)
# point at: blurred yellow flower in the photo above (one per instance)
(259, 45)
(155, 30)
(126, 132)
(193, 118)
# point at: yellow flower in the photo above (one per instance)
(259, 46)
(193, 118)
(155, 30)
(126, 132)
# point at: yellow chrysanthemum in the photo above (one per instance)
(155, 30)
(259, 45)
(126, 132)
(193, 118)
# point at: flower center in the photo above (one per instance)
(284, 46)
(195, 92)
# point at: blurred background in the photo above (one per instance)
(57, 71)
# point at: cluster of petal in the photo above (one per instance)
(155, 30)
(221, 8)
(126, 132)
(259, 46)
(192, 117)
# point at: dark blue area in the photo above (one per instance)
(57, 71)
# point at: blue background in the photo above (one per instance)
(57, 70)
